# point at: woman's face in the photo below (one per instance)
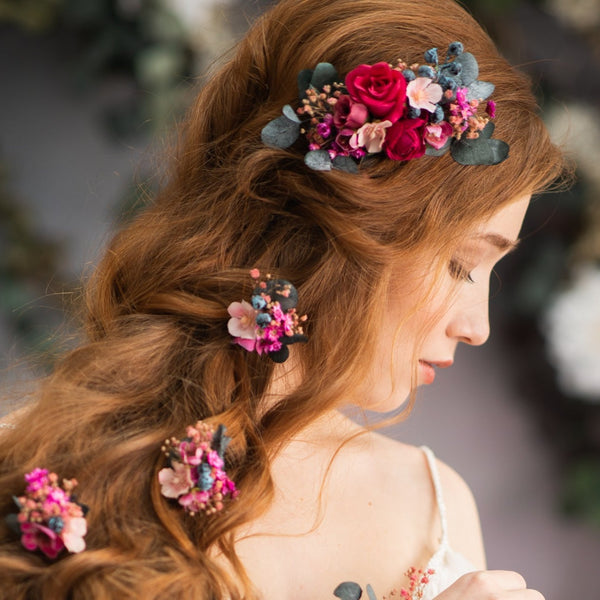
(457, 311)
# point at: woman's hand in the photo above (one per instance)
(490, 585)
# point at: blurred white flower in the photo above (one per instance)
(580, 14)
(576, 127)
(206, 27)
(572, 328)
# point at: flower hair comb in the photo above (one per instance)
(269, 324)
(404, 112)
(49, 518)
(196, 476)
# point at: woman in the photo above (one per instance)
(390, 252)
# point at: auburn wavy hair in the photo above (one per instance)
(158, 355)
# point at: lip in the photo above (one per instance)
(442, 364)
(428, 368)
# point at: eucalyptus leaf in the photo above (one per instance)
(304, 78)
(281, 355)
(345, 163)
(480, 90)
(470, 69)
(481, 151)
(348, 591)
(220, 441)
(290, 113)
(318, 160)
(431, 151)
(324, 74)
(487, 132)
(370, 592)
(12, 522)
(280, 132)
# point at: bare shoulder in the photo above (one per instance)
(464, 529)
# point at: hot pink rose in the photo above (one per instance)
(404, 139)
(349, 114)
(437, 134)
(380, 88)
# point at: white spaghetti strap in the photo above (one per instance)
(435, 476)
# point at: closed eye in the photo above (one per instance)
(459, 271)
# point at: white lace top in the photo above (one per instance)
(448, 564)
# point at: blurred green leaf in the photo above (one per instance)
(582, 490)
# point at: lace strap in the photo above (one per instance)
(435, 476)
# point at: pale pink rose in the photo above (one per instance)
(423, 93)
(72, 534)
(437, 134)
(243, 320)
(371, 136)
(175, 481)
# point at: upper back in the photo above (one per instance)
(376, 515)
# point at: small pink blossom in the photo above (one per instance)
(214, 460)
(371, 136)
(422, 93)
(490, 109)
(243, 320)
(249, 345)
(276, 312)
(266, 345)
(195, 501)
(37, 479)
(437, 134)
(72, 534)
(254, 273)
(35, 536)
(176, 481)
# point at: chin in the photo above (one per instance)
(385, 401)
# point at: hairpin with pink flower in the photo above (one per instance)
(401, 111)
(196, 475)
(268, 323)
(49, 518)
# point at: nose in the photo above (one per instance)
(471, 324)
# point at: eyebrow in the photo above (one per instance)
(500, 242)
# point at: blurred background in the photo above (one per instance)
(90, 91)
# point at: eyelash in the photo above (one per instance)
(458, 271)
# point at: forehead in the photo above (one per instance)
(502, 228)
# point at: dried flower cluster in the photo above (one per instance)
(269, 322)
(196, 474)
(49, 519)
